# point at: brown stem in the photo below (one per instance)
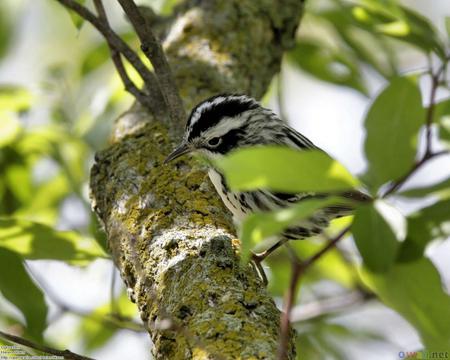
(435, 83)
(258, 258)
(400, 182)
(319, 308)
(152, 48)
(288, 304)
(330, 245)
(67, 354)
(299, 268)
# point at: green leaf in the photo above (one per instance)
(77, 20)
(392, 127)
(169, 6)
(15, 98)
(378, 229)
(37, 241)
(370, 49)
(99, 327)
(423, 33)
(18, 178)
(331, 265)
(100, 54)
(398, 22)
(263, 225)
(441, 189)
(42, 140)
(43, 207)
(414, 290)
(441, 116)
(279, 274)
(10, 128)
(94, 58)
(325, 63)
(444, 131)
(283, 169)
(441, 110)
(428, 224)
(18, 288)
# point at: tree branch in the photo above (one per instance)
(152, 48)
(66, 354)
(167, 229)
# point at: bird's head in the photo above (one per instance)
(221, 124)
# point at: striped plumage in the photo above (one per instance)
(225, 123)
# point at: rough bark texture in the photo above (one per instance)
(168, 231)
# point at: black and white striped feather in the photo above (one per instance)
(225, 123)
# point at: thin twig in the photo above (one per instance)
(298, 269)
(140, 96)
(152, 48)
(113, 320)
(400, 182)
(282, 352)
(115, 42)
(258, 258)
(66, 354)
(319, 308)
(330, 245)
(435, 83)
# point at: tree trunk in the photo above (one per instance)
(168, 232)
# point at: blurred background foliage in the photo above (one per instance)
(59, 95)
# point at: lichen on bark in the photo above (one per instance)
(168, 232)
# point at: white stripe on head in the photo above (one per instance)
(207, 104)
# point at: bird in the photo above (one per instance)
(229, 122)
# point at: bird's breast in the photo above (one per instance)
(232, 200)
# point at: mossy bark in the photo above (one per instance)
(168, 231)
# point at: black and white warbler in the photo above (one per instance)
(225, 123)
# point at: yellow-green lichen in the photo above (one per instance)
(167, 229)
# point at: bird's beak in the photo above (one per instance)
(182, 149)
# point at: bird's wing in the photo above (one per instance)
(299, 141)
(296, 140)
(288, 136)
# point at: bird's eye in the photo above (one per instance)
(214, 141)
